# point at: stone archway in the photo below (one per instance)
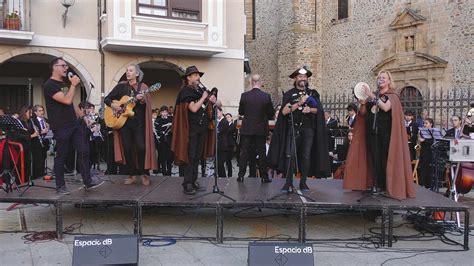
(78, 68)
(75, 66)
(173, 64)
(157, 70)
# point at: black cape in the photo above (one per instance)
(320, 165)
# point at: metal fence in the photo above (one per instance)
(439, 106)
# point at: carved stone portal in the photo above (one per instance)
(409, 60)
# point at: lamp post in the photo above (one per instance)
(67, 4)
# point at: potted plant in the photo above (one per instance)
(12, 21)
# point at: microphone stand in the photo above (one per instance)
(375, 128)
(289, 176)
(215, 188)
(374, 190)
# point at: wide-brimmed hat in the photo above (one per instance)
(191, 70)
(302, 71)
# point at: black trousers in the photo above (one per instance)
(379, 147)
(133, 143)
(221, 159)
(195, 150)
(251, 146)
(109, 154)
(67, 139)
(304, 143)
(166, 158)
(228, 161)
(38, 156)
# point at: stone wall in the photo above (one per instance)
(343, 52)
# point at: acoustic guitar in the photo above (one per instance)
(116, 119)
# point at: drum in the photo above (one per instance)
(359, 91)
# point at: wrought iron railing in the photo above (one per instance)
(439, 106)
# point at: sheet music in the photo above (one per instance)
(430, 133)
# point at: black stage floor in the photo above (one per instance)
(167, 192)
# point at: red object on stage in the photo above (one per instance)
(17, 156)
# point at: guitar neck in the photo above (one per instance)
(154, 87)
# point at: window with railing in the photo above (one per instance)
(174, 9)
(12, 14)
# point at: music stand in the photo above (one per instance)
(430, 133)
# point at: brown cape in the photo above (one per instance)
(150, 157)
(180, 129)
(359, 175)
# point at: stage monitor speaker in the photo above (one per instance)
(271, 253)
(105, 250)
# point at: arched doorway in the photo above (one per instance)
(22, 77)
(166, 73)
(412, 100)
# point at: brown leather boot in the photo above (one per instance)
(130, 180)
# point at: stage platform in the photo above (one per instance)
(325, 194)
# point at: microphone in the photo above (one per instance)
(70, 74)
(379, 84)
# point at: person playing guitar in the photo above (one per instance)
(134, 143)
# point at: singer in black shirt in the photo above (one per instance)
(63, 122)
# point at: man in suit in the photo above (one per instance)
(256, 107)
(412, 132)
(231, 143)
(222, 142)
(39, 145)
(331, 125)
(351, 117)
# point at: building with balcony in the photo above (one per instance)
(99, 39)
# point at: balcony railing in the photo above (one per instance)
(15, 21)
(127, 30)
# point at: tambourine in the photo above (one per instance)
(359, 91)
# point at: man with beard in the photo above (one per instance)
(191, 134)
(301, 122)
(134, 141)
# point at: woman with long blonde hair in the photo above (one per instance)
(380, 129)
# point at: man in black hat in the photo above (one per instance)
(300, 122)
(191, 127)
(256, 107)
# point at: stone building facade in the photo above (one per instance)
(426, 44)
(99, 39)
